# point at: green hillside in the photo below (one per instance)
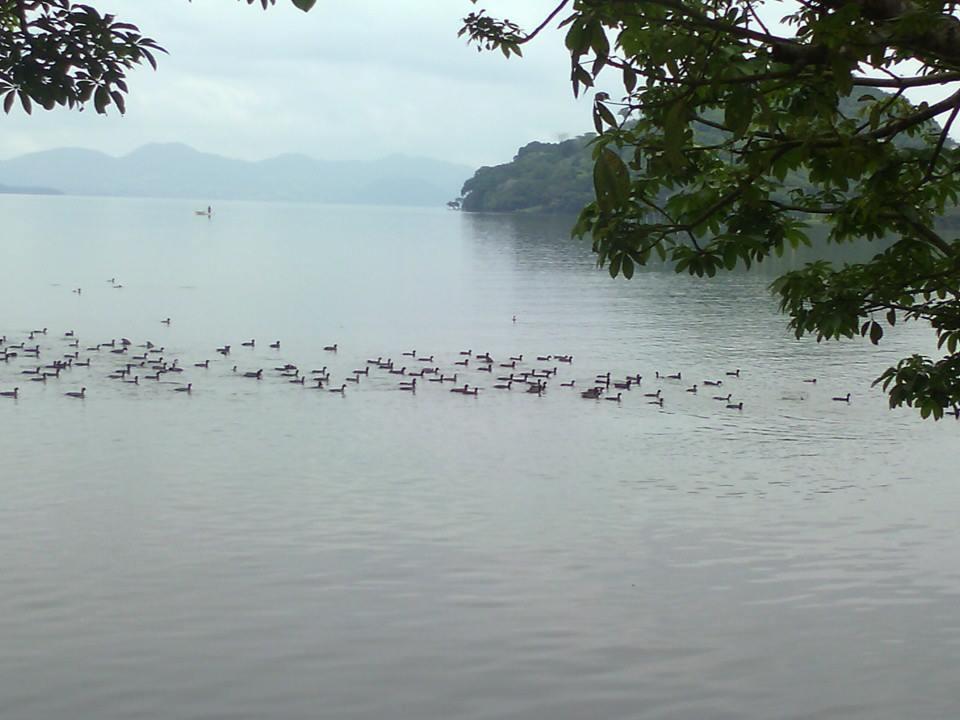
(558, 177)
(543, 177)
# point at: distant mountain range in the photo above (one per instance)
(179, 171)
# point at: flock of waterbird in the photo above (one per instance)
(44, 358)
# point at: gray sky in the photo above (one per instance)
(352, 79)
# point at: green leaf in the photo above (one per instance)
(738, 111)
(730, 256)
(614, 266)
(611, 180)
(304, 5)
(576, 39)
(673, 135)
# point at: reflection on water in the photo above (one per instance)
(259, 550)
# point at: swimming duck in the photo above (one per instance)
(843, 399)
(82, 394)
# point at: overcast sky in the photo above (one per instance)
(352, 79)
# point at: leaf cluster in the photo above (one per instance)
(60, 53)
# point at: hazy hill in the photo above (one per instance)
(179, 171)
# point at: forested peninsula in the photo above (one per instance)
(542, 177)
(557, 178)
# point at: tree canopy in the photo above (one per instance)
(56, 52)
(770, 77)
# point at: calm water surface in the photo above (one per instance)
(257, 549)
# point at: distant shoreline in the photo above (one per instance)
(13, 190)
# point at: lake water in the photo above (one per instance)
(257, 549)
